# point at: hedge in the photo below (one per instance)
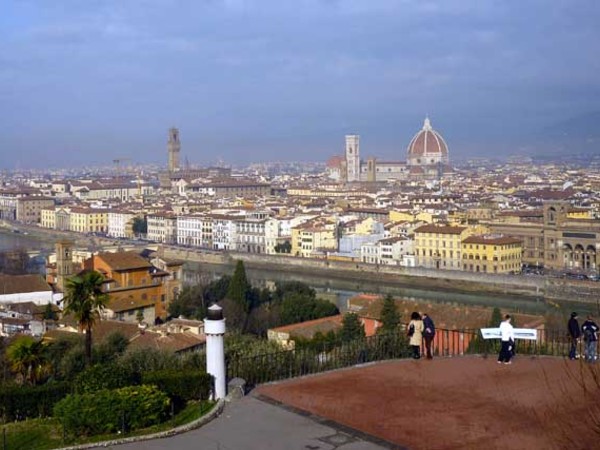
(30, 402)
(105, 376)
(109, 411)
(181, 386)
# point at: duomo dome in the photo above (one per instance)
(427, 147)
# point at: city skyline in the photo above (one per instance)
(257, 81)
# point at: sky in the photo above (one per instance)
(84, 82)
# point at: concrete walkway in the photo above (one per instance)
(252, 424)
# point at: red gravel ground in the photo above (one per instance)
(459, 403)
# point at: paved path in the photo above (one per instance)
(252, 424)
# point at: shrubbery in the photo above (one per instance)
(108, 411)
(105, 376)
(181, 386)
(29, 402)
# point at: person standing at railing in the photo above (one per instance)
(415, 332)
(428, 334)
(589, 330)
(507, 338)
(574, 334)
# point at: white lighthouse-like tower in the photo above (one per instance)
(214, 328)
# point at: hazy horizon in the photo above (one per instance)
(87, 82)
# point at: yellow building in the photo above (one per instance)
(439, 246)
(312, 236)
(88, 220)
(48, 218)
(401, 216)
(491, 254)
(579, 213)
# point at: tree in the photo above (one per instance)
(84, 299)
(297, 307)
(139, 315)
(239, 287)
(140, 225)
(352, 328)
(284, 247)
(49, 313)
(496, 318)
(27, 358)
(390, 317)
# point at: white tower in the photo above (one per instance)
(352, 157)
(214, 328)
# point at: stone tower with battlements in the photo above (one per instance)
(174, 147)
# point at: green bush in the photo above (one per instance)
(108, 376)
(181, 386)
(29, 402)
(108, 411)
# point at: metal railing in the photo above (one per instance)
(306, 359)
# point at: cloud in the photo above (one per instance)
(266, 69)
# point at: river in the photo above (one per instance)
(336, 290)
(339, 291)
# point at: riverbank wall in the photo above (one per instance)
(539, 287)
(389, 275)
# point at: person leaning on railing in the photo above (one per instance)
(574, 334)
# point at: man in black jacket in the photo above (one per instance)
(428, 334)
(574, 334)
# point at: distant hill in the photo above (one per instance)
(576, 137)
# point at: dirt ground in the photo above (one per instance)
(458, 403)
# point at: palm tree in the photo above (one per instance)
(84, 299)
(27, 358)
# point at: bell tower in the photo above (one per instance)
(173, 147)
(352, 158)
(64, 263)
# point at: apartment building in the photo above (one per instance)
(315, 235)
(87, 220)
(250, 234)
(120, 223)
(439, 246)
(29, 208)
(491, 254)
(133, 284)
(162, 227)
(394, 251)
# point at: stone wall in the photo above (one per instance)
(390, 275)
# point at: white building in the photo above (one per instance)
(394, 251)
(224, 232)
(162, 227)
(120, 223)
(250, 234)
(26, 288)
(189, 230)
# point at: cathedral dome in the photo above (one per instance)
(427, 147)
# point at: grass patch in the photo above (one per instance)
(46, 434)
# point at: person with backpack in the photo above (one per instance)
(415, 333)
(589, 330)
(574, 334)
(428, 334)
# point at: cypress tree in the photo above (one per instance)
(390, 317)
(239, 287)
(352, 328)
